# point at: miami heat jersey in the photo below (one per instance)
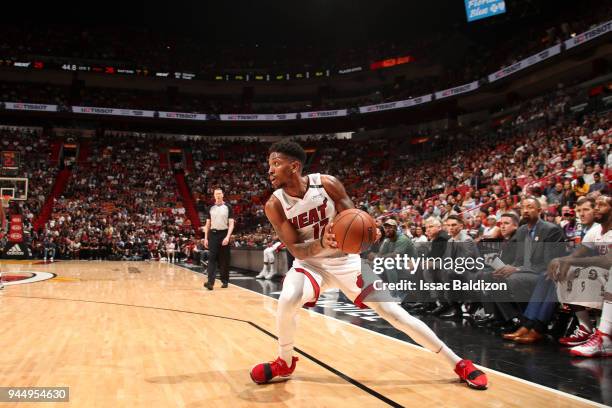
(311, 214)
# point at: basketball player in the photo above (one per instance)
(594, 251)
(268, 271)
(301, 211)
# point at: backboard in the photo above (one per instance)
(15, 187)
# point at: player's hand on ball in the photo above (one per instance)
(329, 239)
(225, 242)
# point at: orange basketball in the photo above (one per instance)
(355, 231)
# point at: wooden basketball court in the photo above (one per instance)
(146, 334)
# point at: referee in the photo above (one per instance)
(217, 232)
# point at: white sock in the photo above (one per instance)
(296, 291)
(285, 351)
(605, 325)
(583, 319)
(415, 328)
(450, 355)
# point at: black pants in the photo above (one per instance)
(218, 254)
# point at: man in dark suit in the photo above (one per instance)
(538, 242)
(459, 245)
(437, 241)
(504, 312)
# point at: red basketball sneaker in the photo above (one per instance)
(599, 345)
(471, 375)
(263, 373)
(580, 335)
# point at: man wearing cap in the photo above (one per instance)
(570, 228)
(395, 243)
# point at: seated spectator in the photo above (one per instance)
(535, 249)
(460, 245)
(507, 311)
(581, 188)
(555, 195)
(491, 231)
(437, 243)
(586, 211)
(570, 224)
(592, 253)
(394, 243)
(598, 185)
(569, 195)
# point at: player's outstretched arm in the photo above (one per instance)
(288, 235)
(336, 191)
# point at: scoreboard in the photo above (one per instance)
(478, 9)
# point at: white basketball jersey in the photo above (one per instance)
(311, 214)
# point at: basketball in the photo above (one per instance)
(355, 231)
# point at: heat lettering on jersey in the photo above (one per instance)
(315, 216)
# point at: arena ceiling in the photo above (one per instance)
(275, 21)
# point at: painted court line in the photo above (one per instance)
(558, 392)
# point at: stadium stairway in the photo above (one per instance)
(189, 164)
(188, 201)
(61, 181)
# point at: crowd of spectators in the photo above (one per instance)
(119, 204)
(122, 197)
(539, 149)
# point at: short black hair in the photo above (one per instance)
(289, 148)
(457, 218)
(512, 216)
(535, 200)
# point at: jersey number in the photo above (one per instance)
(320, 226)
